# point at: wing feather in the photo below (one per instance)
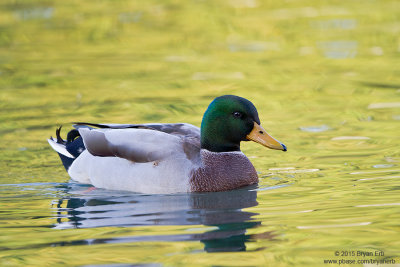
(138, 145)
(180, 129)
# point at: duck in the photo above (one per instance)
(168, 158)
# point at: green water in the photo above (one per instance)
(324, 76)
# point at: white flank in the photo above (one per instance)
(168, 173)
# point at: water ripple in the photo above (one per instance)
(378, 205)
(315, 129)
(333, 225)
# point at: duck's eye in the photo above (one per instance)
(237, 114)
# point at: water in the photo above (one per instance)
(323, 75)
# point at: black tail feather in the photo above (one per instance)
(66, 161)
(74, 145)
(74, 133)
(59, 139)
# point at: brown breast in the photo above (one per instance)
(222, 171)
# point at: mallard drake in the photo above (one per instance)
(168, 158)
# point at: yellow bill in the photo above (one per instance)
(259, 135)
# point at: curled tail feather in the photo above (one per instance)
(69, 149)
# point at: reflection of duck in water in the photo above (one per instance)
(168, 158)
(222, 211)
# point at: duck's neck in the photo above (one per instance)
(216, 142)
(215, 147)
(222, 171)
(215, 137)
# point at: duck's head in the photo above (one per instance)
(231, 119)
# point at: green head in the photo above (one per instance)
(226, 122)
(231, 119)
